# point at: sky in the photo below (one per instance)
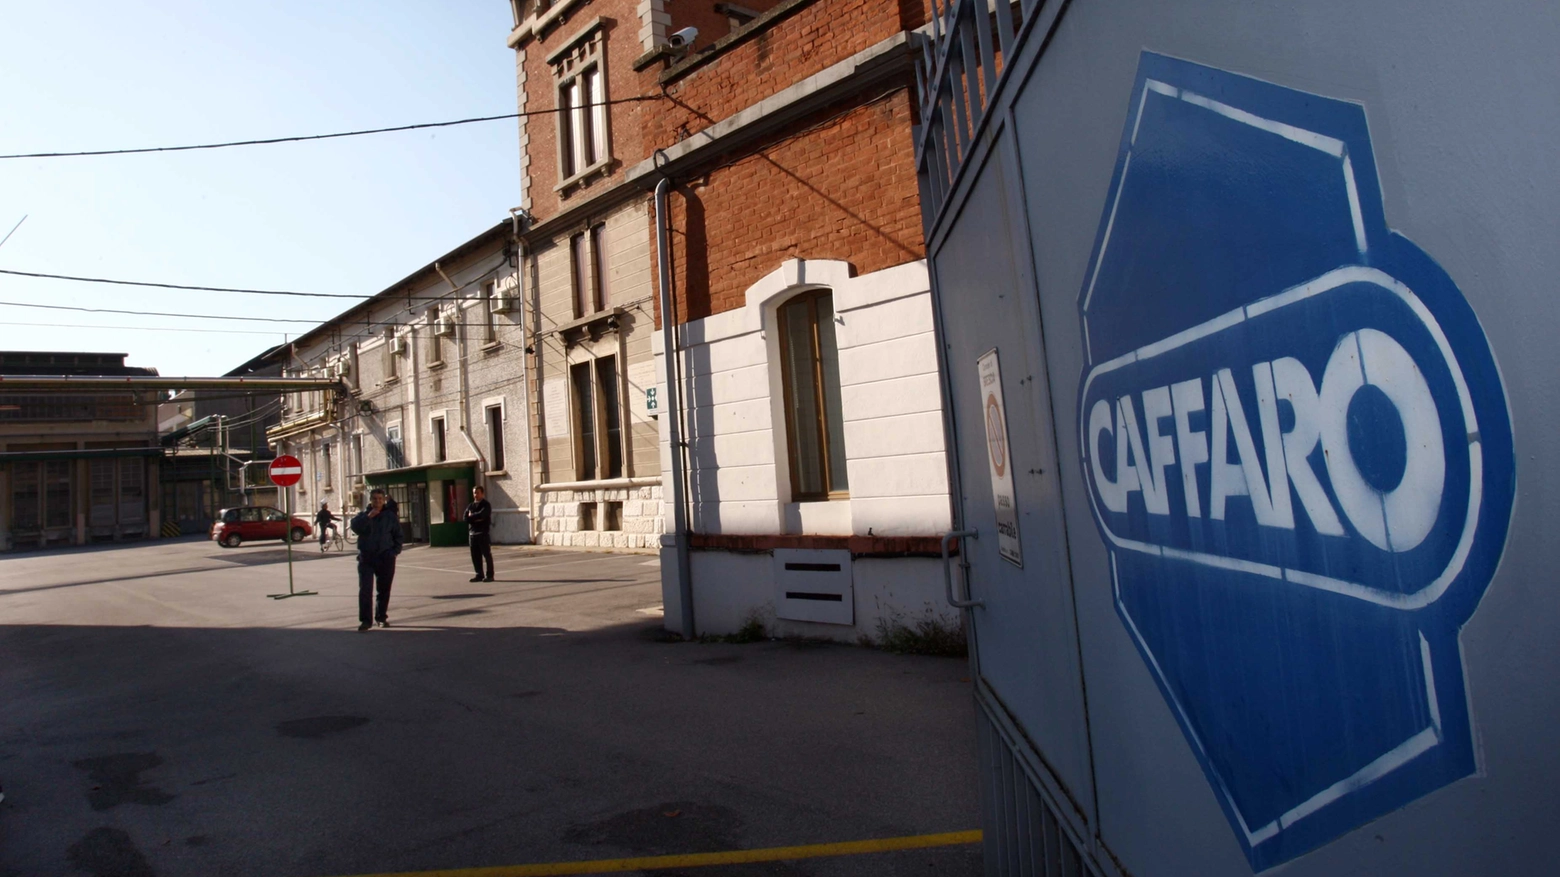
(352, 215)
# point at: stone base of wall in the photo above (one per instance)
(560, 519)
(734, 588)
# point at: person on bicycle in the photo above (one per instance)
(325, 522)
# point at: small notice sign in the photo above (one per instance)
(641, 389)
(998, 455)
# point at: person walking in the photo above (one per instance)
(378, 529)
(324, 521)
(479, 522)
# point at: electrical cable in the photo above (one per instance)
(300, 138)
(20, 304)
(149, 328)
(179, 285)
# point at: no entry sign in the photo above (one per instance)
(286, 471)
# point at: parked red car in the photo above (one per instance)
(239, 525)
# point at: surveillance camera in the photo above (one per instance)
(683, 38)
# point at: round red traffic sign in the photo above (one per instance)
(286, 471)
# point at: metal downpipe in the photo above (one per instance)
(663, 257)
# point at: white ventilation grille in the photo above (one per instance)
(814, 585)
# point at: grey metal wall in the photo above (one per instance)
(1460, 101)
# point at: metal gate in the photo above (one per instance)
(1233, 461)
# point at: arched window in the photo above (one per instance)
(810, 369)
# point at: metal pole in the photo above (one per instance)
(674, 414)
(288, 537)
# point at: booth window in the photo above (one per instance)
(810, 369)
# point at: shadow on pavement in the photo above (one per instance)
(276, 751)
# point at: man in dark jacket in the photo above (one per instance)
(378, 529)
(479, 523)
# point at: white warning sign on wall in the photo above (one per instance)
(998, 455)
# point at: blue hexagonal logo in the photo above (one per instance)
(1298, 452)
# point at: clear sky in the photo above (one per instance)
(339, 216)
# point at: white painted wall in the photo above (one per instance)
(891, 405)
(730, 588)
(890, 401)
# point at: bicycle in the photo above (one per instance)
(339, 539)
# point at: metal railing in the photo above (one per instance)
(956, 76)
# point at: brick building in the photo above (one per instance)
(433, 368)
(817, 483)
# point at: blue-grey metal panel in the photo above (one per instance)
(1314, 704)
(1025, 636)
(1378, 645)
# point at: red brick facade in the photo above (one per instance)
(845, 190)
(838, 185)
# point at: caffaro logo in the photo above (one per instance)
(1298, 452)
(1331, 440)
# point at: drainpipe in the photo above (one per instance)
(530, 371)
(663, 255)
(482, 463)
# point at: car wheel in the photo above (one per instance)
(232, 540)
(298, 535)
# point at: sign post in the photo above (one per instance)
(285, 471)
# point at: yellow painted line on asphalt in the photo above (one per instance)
(698, 860)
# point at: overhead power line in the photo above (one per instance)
(297, 139)
(22, 304)
(179, 285)
(9, 323)
(442, 296)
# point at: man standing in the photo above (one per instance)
(379, 541)
(479, 521)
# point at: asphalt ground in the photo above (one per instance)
(160, 716)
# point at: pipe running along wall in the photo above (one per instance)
(663, 258)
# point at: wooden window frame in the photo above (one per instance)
(788, 385)
(584, 123)
(438, 427)
(489, 318)
(392, 368)
(435, 341)
(601, 442)
(588, 270)
(496, 448)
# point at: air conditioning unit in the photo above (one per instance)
(342, 368)
(398, 344)
(444, 324)
(505, 304)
